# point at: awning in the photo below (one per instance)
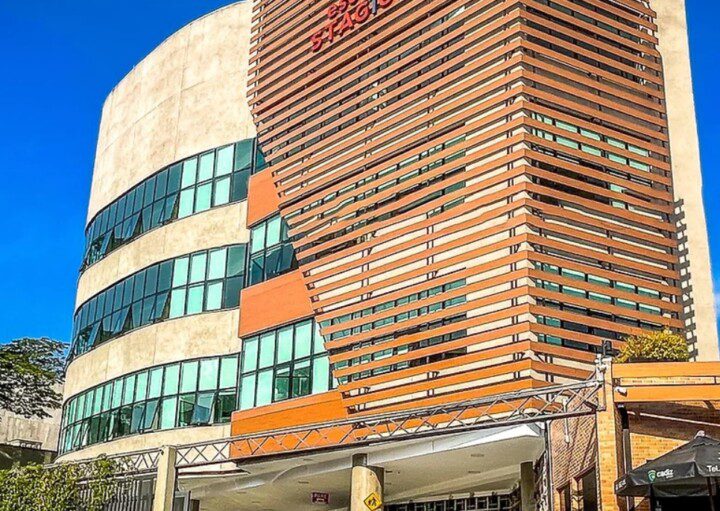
(688, 471)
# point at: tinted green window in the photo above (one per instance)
(149, 400)
(200, 282)
(180, 190)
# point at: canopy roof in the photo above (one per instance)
(684, 472)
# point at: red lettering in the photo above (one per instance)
(346, 24)
(362, 12)
(317, 41)
(342, 16)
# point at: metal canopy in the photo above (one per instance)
(520, 407)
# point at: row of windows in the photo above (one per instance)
(196, 184)
(584, 328)
(599, 281)
(434, 307)
(588, 148)
(597, 22)
(194, 392)
(203, 281)
(271, 252)
(402, 350)
(284, 363)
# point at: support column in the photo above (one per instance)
(527, 486)
(366, 487)
(609, 453)
(165, 482)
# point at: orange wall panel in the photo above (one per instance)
(319, 408)
(263, 199)
(273, 303)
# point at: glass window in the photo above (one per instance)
(249, 354)
(203, 411)
(321, 375)
(264, 387)
(155, 383)
(273, 231)
(197, 267)
(187, 409)
(177, 303)
(207, 163)
(141, 386)
(188, 187)
(303, 339)
(214, 296)
(217, 263)
(189, 173)
(228, 372)
(285, 344)
(171, 379)
(187, 203)
(258, 238)
(224, 161)
(282, 384)
(189, 375)
(267, 349)
(203, 197)
(301, 379)
(168, 411)
(129, 390)
(209, 374)
(247, 392)
(195, 299)
(180, 271)
(222, 192)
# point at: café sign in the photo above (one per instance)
(342, 17)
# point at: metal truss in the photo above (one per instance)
(130, 464)
(514, 408)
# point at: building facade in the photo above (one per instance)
(314, 212)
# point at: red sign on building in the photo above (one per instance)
(342, 17)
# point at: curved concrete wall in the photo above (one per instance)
(213, 228)
(187, 96)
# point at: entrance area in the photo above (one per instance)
(478, 470)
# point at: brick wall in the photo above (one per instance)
(574, 445)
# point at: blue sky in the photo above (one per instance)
(61, 58)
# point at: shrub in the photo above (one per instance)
(59, 487)
(664, 346)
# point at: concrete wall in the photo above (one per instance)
(14, 428)
(187, 96)
(684, 146)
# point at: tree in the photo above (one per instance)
(30, 370)
(664, 346)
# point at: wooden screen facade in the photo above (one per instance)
(479, 191)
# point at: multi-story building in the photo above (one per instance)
(360, 207)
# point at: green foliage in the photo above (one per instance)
(664, 346)
(30, 370)
(67, 487)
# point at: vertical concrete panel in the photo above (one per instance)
(684, 147)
